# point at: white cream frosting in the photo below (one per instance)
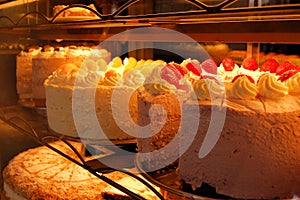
(254, 74)
(227, 76)
(206, 89)
(133, 78)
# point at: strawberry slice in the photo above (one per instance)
(295, 67)
(210, 66)
(110, 73)
(171, 75)
(195, 67)
(287, 74)
(250, 64)
(241, 75)
(228, 64)
(178, 67)
(269, 65)
(283, 67)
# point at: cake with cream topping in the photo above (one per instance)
(96, 82)
(50, 59)
(257, 146)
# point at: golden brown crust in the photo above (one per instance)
(40, 173)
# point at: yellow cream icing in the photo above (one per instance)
(242, 88)
(293, 83)
(270, 87)
(206, 89)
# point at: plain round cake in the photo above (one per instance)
(41, 173)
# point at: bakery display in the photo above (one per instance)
(226, 125)
(50, 59)
(95, 81)
(41, 173)
(254, 155)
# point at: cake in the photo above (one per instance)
(133, 185)
(74, 11)
(50, 59)
(24, 74)
(246, 143)
(88, 92)
(41, 173)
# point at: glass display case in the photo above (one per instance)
(135, 28)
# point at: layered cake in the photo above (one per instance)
(89, 89)
(247, 141)
(50, 59)
(24, 74)
(41, 173)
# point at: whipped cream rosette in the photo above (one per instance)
(270, 87)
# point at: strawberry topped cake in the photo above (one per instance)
(247, 142)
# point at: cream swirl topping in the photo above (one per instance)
(206, 89)
(157, 89)
(92, 79)
(57, 77)
(157, 85)
(293, 83)
(269, 87)
(111, 80)
(228, 75)
(133, 78)
(254, 74)
(241, 88)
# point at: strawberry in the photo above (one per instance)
(171, 75)
(241, 75)
(295, 67)
(210, 66)
(110, 73)
(178, 67)
(269, 65)
(283, 67)
(68, 68)
(250, 64)
(287, 74)
(228, 64)
(194, 67)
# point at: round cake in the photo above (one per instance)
(50, 59)
(246, 144)
(41, 173)
(95, 82)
